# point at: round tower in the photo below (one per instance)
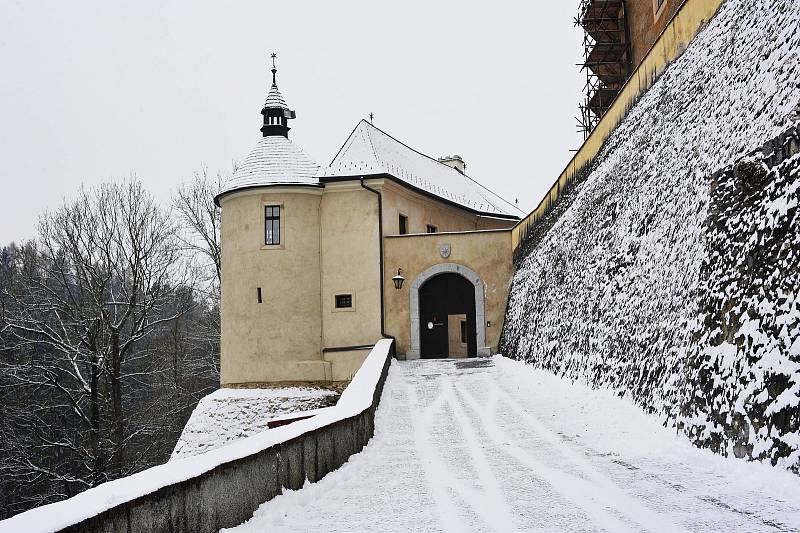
(270, 259)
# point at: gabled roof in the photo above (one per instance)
(275, 160)
(370, 151)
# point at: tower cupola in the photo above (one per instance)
(276, 112)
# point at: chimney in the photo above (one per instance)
(454, 161)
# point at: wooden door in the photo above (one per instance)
(439, 298)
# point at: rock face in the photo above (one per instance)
(671, 271)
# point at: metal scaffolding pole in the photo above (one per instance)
(606, 58)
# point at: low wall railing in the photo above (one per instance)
(223, 487)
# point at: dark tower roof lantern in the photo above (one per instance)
(275, 111)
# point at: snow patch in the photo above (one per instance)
(227, 415)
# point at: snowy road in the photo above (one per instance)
(492, 445)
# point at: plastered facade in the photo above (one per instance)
(280, 338)
(350, 264)
(486, 253)
(331, 244)
(421, 210)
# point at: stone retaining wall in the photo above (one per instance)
(671, 274)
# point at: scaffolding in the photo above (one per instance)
(606, 57)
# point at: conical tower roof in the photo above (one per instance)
(274, 97)
(275, 160)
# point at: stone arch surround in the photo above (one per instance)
(480, 305)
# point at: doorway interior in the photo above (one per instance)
(447, 317)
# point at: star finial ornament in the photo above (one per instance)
(273, 55)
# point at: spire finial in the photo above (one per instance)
(273, 55)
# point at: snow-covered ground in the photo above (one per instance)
(227, 415)
(495, 445)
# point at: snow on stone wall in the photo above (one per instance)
(622, 287)
(743, 371)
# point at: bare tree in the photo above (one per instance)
(200, 218)
(109, 336)
(101, 280)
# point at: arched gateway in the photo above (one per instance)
(447, 319)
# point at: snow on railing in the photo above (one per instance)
(193, 494)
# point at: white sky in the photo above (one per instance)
(96, 91)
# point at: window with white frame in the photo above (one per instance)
(272, 224)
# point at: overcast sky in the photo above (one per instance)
(97, 91)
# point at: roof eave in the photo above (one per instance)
(219, 196)
(385, 175)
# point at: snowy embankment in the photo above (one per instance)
(495, 445)
(227, 415)
(671, 271)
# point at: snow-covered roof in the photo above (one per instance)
(369, 150)
(275, 98)
(274, 160)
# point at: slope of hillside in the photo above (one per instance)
(671, 273)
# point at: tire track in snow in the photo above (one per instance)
(758, 517)
(448, 513)
(426, 417)
(440, 477)
(596, 495)
(501, 518)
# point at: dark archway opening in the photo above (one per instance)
(447, 317)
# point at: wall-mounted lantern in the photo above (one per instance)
(398, 280)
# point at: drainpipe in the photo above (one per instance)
(380, 247)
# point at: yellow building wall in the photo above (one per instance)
(279, 339)
(487, 253)
(350, 264)
(330, 245)
(350, 259)
(422, 210)
(677, 35)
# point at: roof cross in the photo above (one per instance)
(273, 55)
(371, 116)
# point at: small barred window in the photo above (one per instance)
(344, 301)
